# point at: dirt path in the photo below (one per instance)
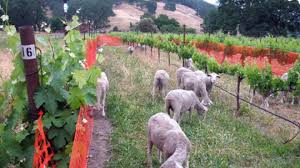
(100, 147)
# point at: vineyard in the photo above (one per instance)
(246, 61)
(68, 76)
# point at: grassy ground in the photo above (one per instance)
(219, 141)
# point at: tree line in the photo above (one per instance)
(255, 17)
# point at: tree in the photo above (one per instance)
(163, 20)
(255, 17)
(29, 12)
(56, 24)
(146, 25)
(211, 22)
(151, 6)
(95, 11)
(170, 5)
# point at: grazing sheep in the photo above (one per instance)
(130, 49)
(101, 91)
(168, 137)
(189, 64)
(160, 83)
(200, 83)
(179, 73)
(180, 101)
(284, 94)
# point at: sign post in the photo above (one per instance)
(30, 66)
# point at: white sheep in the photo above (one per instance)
(101, 91)
(130, 49)
(160, 82)
(189, 64)
(180, 101)
(284, 94)
(266, 97)
(200, 83)
(179, 73)
(168, 137)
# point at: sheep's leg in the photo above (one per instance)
(293, 100)
(177, 116)
(266, 102)
(149, 152)
(103, 105)
(186, 162)
(190, 114)
(159, 156)
(168, 107)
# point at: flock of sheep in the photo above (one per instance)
(164, 131)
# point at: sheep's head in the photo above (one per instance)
(213, 77)
(206, 102)
(201, 108)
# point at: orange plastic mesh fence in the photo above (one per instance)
(85, 122)
(43, 152)
(84, 127)
(80, 149)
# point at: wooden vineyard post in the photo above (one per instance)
(169, 59)
(238, 104)
(184, 31)
(158, 53)
(66, 7)
(30, 66)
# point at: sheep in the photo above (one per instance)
(189, 64)
(160, 83)
(266, 96)
(168, 137)
(284, 94)
(179, 73)
(180, 101)
(101, 91)
(130, 49)
(200, 83)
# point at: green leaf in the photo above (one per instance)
(81, 77)
(71, 124)
(22, 135)
(76, 98)
(19, 104)
(58, 122)
(46, 96)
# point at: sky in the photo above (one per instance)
(215, 2)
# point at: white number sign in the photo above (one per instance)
(28, 52)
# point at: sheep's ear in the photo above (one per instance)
(209, 75)
(218, 76)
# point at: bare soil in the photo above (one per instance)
(100, 147)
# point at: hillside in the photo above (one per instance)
(126, 14)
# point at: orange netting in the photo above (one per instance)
(43, 152)
(92, 45)
(278, 65)
(84, 129)
(85, 122)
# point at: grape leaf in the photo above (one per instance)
(81, 77)
(76, 98)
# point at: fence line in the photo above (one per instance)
(297, 124)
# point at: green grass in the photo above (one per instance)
(220, 140)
